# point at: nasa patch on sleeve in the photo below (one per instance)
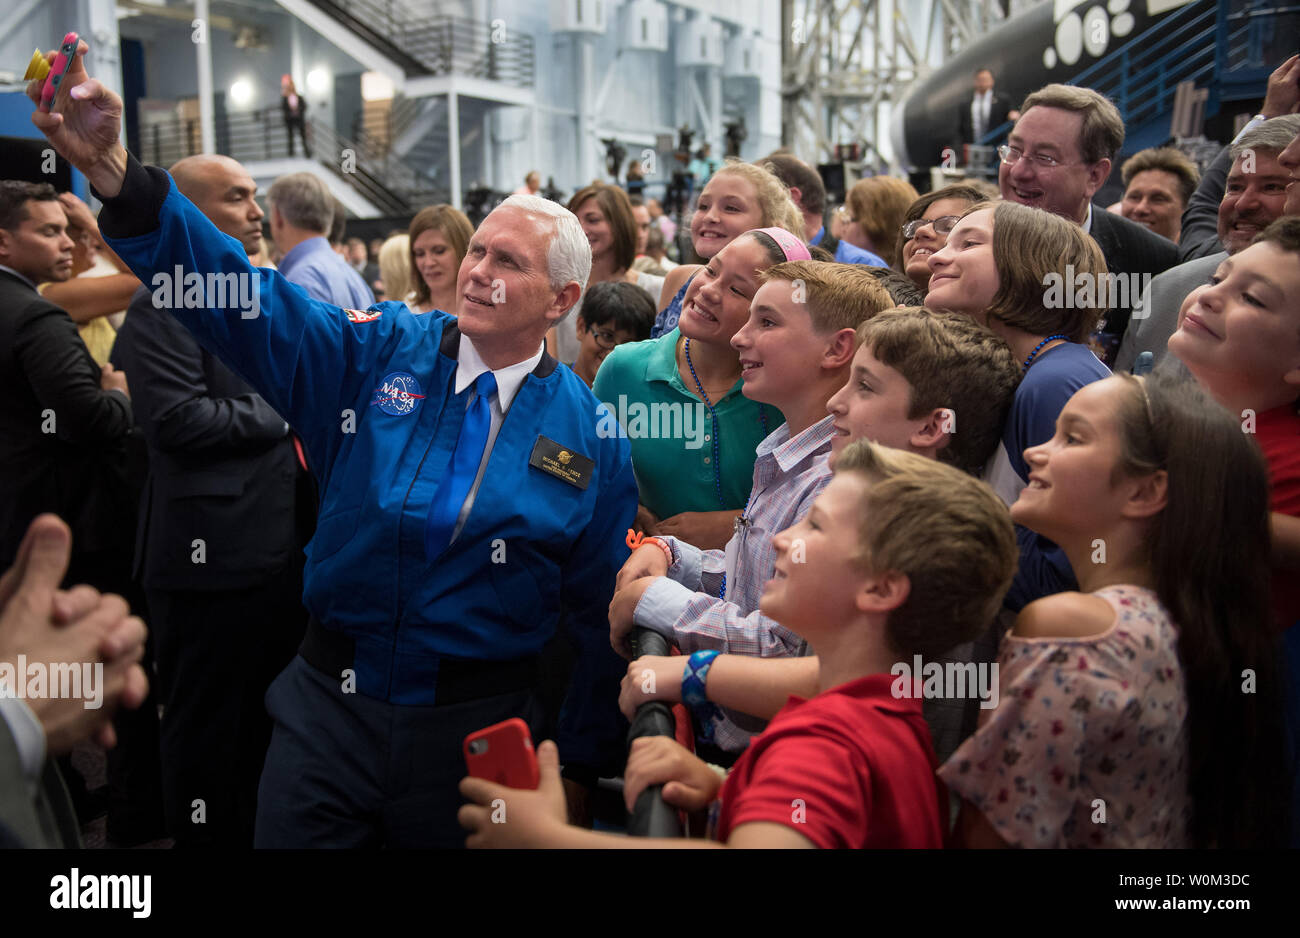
(361, 315)
(398, 395)
(563, 463)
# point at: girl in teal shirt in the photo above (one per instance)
(678, 398)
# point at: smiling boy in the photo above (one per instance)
(917, 376)
(1240, 336)
(612, 314)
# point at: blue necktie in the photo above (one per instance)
(455, 486)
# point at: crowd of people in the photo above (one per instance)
(971, 516)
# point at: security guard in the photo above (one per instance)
(467, 499)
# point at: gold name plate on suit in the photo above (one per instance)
(562, 462)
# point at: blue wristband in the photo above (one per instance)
(694, 678)
(695, 695)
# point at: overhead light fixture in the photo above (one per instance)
(318, 80)
(241, 92)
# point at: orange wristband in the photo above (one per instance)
(636, 539)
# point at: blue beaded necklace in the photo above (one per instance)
(717, 466)
(1038, 348)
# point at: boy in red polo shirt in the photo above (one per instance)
(899, 556)
(1240, 336)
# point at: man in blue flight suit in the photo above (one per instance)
(467, 499)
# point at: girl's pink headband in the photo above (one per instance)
(791, 247)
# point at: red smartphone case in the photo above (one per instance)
(503, 753)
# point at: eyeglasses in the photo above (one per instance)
(942, 225)
(844, 213)
(1013, 155)
(606, 340)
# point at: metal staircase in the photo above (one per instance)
(260, 136)
(408, 144)
(437, 45)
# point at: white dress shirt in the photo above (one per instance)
(979, 112)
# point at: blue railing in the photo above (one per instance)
(1253, 23)
(1142, 77)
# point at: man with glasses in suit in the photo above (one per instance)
(1058, 155)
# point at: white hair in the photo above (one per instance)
(568, 256)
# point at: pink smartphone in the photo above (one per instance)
(503, 753)
(62, 62)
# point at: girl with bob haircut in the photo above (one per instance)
(994, 269)
(1128, 693)
(737, 198)
(439, 237)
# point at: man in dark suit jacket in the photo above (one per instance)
(1136, 254)
(1058, 155)
(64, 421)
(65, 429)
(984, 111)
(217, 546)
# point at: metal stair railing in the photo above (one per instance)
(250, 136)
(381, 23)
(440, 45)
(1142, 76)
(413, 187)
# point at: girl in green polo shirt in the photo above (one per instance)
(678, 398)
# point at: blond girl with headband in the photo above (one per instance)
(737, 198)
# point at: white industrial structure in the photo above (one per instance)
(518, 85)
(846, 61)
(411, 100)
